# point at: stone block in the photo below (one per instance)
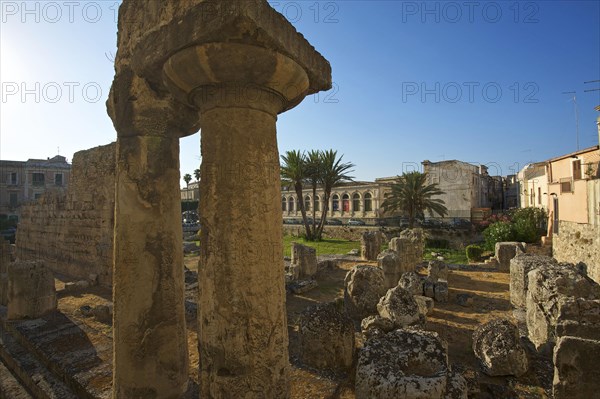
(519, 267)
(304, 260)
(498, 347)
(326, 338)
(505, 251)
(399, 306)
(579, 317)
(576, 371)
(389, 262)
(402, 364)
(428, 288)
(425, 304)
(440, 291)
(370, 245)
(363, 287)
(31, 291)
(438, 270)
(411, 282)
(373, 326)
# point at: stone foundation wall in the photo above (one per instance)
(577, 242)
(73, 231)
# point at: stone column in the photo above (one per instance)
(239, 90)
(150, 340)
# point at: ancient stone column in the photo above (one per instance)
(231, 67)
(150, 341)
(239, 90)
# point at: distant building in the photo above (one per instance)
(191, 192)
(512, 199)
(21, 182)
(469, 191)
(533, 185)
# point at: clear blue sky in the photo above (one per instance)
(476, 81)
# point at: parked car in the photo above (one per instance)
(292, 221)
(356, 222)
(334, 222)
(461, 224)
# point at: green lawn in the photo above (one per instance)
(453, 256)
(326, 246)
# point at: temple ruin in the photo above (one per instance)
(227, 68)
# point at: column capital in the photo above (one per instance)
(235, 75)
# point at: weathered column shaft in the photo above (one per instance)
(150, 341)
(242, 320)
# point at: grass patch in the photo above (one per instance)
(454, 256)
(327, 246)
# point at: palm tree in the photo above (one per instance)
(412, 195)
(333, 172)
(187, 178)
(197, 174)
(314, 166)
(293, 172)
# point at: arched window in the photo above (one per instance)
(368, 202)
(346, 203)
(356, 202)
(307, 203)
(291, 204)
(283, 204)
(335, 202)
(318, 204)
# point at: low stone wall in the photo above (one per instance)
(72, 232)
(577, 242)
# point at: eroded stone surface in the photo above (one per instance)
(389, 262)
(373, 326)
(576, 371)
(364, 286)
(31, 291)
(402, 364)
(4, 261)
(411, 282)
(438, 270)
(400, 307)
(548, 285)
(505, 251)
(326, 338)
(440, 291)
(304, 261)
(498, 347)
(370, 244)
(520, 266)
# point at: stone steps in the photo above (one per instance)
(10, 387)
(38, 380)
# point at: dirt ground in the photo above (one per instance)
(454, 323)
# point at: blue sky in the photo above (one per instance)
(477, 81)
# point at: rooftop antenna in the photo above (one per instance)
(58, 150)
(574, 98)
(591, 81)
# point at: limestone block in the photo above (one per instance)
(456, 387)
(440, 291)
(519, 267)
(326, 338)
(400, 307)
(428, 288)
(576, 371)
(498, 347)
(364, 286)
(411, 282)
(31, 291)
(438, 270)
(505, 251)
(389, 262)
(402, 364)
(370, 245)
(375, 326)
(425, 304)
(548, 286)
(304, 259)
(579, 317)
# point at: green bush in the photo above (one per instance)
(498, 232)
(526, 231)
(473, 252)
(437, 243)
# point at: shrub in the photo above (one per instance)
(474, 252)
(498, 232)
(526, 231)
(437, 243)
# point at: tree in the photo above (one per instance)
(332, 173)
(412, 195)
(187, 178)
(293, 173)
(315, 168)
(197, 174)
